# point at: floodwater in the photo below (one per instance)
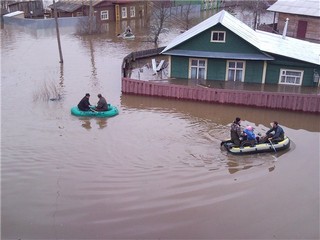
(155, 171)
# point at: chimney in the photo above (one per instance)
(285, 29)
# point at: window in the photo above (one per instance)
(141, 11)
(198, 68)
(104, 15)
(235, 71)
(132, 11)
(290, 77)
(124, 12)
(218, 36)
(79, 14)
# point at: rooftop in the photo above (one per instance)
(266, 42)
(299, 7)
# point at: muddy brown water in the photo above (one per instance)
(155, 171)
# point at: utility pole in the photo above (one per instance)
(90, 17)
(57, 28)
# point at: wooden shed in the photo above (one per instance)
(303, 16)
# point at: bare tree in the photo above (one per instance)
(159, 18)
(257, 7)
(186, 11)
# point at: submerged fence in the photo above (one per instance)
(287, 101)
(272, 100)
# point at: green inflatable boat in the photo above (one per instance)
(112, 111)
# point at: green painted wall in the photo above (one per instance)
(216, 69)
(233, 43)
(254, 71)
(179, 67)
(273, 70)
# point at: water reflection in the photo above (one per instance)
(101, 123)
(86, 124)
(224, 114)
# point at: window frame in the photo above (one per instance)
(285, 75)
(198, 67)
(122, 12)
(236, 69)
(132, 9)
(102, 13)
(218, 32)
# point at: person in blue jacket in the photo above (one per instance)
(250, 137)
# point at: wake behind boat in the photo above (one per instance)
(258, 148)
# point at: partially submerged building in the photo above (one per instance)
(104, 10)
(222, 48)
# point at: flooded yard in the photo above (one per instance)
(155, 171)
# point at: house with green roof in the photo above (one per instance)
(222, 48)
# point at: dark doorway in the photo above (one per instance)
(302, 29)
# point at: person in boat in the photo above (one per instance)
(84, 104)
(235, 131)
(128, 30)
(275, 134)
(250, 137)
(102, 104)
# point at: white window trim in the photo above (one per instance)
(218, 41)
(134, 11)
(206, 66)
(122, 12)
(243, 70)
(102, 12)
(291, 70)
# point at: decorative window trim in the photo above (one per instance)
(236, 68)
(132, 11)
(124, 12)
(283, 77)
(218, 38)
(104, 15)
(198, 67)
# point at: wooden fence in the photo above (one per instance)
(274, 100)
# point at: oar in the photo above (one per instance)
(92, 110)
(272, 146)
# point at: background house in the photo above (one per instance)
(223, 48)
(304, 18)
(31, 9)
(104, 10)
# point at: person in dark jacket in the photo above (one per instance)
(84, 104)
(275, 134)
(235, 131)
(102, 104)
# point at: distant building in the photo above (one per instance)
(31, 9)
(104, 10)
(222, 48)
(303, 15)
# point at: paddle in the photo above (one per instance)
(92, 109)
(272, 145)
